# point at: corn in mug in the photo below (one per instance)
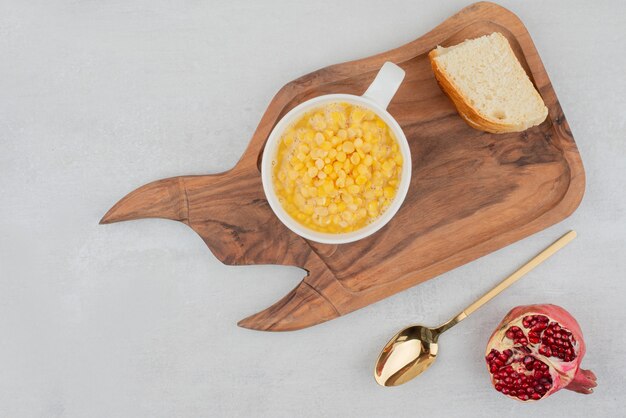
(337, 168)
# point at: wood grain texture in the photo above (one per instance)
(471, 192)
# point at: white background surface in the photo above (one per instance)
(138, 319)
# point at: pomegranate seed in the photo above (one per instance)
(529, 362)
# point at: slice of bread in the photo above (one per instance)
(488, 85)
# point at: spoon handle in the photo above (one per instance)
(518, 274)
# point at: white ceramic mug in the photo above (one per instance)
(376, 98)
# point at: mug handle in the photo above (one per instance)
(385, 85)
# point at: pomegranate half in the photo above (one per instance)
(535, 351)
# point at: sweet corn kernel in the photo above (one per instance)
(288, 138)
(337, 168)
(357, 115)
(317, 122)
(372, 208)
(368, 160)
(348, 146)
(389, 192)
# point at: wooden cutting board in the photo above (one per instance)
(471, 192)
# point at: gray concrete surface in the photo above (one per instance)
(138, 319)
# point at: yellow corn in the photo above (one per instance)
(337, 168)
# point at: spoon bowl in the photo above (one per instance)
(409, 353)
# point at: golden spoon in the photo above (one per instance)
(411, 351)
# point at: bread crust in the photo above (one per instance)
(465, 109)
